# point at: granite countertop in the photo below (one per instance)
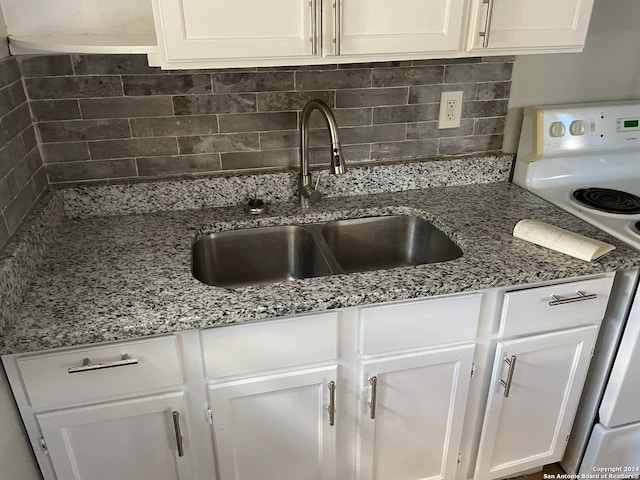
(123, 277)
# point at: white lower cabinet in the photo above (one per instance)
(545, 342)
(392, 391)
(535, 389)
(138, 438)
(276, 426)
(411, 414)
(359, 407)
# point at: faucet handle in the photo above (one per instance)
(310, 193)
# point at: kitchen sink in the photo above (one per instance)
(377, 243)
(261, 255)
(257, 255)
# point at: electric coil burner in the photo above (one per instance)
(608, 200)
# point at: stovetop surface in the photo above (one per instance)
(605, 153)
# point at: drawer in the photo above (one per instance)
(419, 324)
(254, 347)
(55, 379)
(536, 310)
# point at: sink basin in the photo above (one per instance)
(258, 255)
(255, 256)
(377, 243)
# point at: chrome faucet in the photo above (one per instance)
(307, 193)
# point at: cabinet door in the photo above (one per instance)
(543, 376)
(411, 414)
(220, 29)
(275, 427)
(520, 25)
(368, 27)
(130, 439)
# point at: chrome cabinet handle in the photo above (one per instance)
(176, 429)
(314, 27)
(579, 297)
(337, 26)
(373, 381)
(332, 403)
(87, 365)
(487, 23)
(512, 367)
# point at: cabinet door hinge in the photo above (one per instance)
(459, 458)
(593, 351)
(208, 414)
(473, 369)
(43, 445)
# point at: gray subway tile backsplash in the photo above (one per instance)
(65, 152)
(257, 122)
(115, 64)
(288, 101)
(126, 107)
(395, 77)
(75, 130)
(178, 165)
(213, 104)
(174, 126)
(133, 147)
(371, 97)
(45, 110)
(44, 88)
(92, 170)
(113, 116)
(166, 84)
(338, 79)
(406, 150)
(225, 142)
(237, 82)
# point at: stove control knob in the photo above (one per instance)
(557, 129)
(577, 128)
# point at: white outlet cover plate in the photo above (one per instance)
(450, 109)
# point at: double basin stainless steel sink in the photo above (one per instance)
(261, 255)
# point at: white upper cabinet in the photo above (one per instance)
(374, 27)
(219, 30)
(218, 33)
(221, 33)
(523, 26)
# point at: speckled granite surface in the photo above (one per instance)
(144, 197)
(24, 252)
(122, 277)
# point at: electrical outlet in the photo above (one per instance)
(450, 109)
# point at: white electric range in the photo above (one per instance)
(585, 158)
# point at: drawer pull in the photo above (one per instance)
(373, 381)
(87, 365)
(332, 403)
(579, 297)
(512, 367)
(176, 429)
